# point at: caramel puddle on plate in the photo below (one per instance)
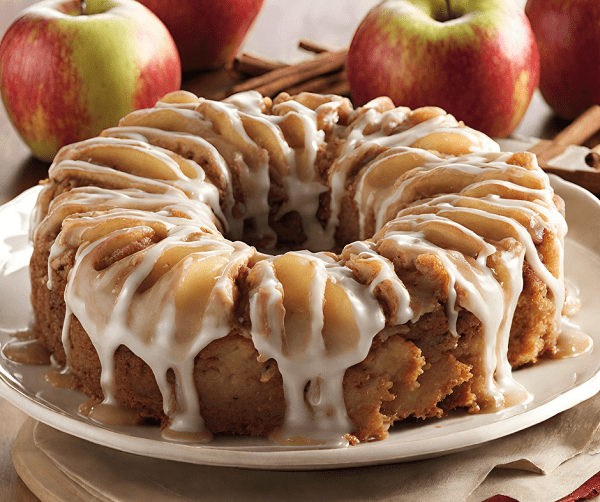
(60, 378)
(572, 343)
(280, 438)
(26, 350)
(109, 414)
(200, 437)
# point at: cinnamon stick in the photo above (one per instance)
(592, 159)
(255, 65)
(582, 128)
(316, 47)
(282, 78)
(324, 84)
(539, 147)
(341, 88)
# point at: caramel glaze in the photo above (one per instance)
(572, 343)
(26, 352)
(109, 414)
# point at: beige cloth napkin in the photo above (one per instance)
(543, 463)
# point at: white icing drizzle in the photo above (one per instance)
(365, 250)
(175, 293)
(151, 322)
(186, 144)
(248, 102)
(315, 360)
(443, 124)
(482, 289)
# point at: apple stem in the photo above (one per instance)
(450, 16)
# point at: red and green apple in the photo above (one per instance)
(477, 59)
(69, 69)
(568, 38)
(208, 33)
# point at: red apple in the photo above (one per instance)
(568, 37)
(70, 69)
(476, 59)
(208, 33)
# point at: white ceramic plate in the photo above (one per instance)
(556, 384)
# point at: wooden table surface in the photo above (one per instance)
(19, 171)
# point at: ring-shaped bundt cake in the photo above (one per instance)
(295, 268)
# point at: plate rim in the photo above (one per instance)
(376, 453)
